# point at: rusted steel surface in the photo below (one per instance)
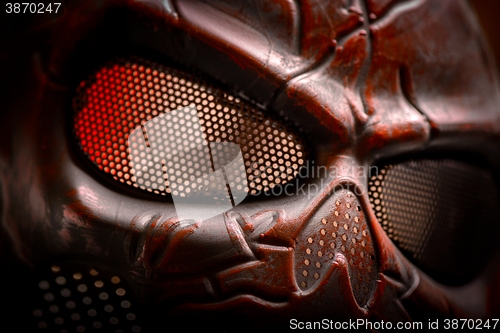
(366, 79)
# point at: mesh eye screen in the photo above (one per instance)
(126, 93)
(442, 213)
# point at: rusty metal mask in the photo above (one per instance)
(369, 135)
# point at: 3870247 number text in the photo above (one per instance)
(31, 7)
(470, 324)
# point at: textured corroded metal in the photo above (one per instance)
(337, 232)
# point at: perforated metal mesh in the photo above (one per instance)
(80, 298)
(338, 228)
(443, 214)
(126, 93)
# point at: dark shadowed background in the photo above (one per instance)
(488, 14)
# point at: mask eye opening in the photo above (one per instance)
(127, 93)
(441, 211)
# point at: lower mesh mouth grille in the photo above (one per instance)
(442, 213)
(82, 298)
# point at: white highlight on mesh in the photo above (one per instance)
(179, 157)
